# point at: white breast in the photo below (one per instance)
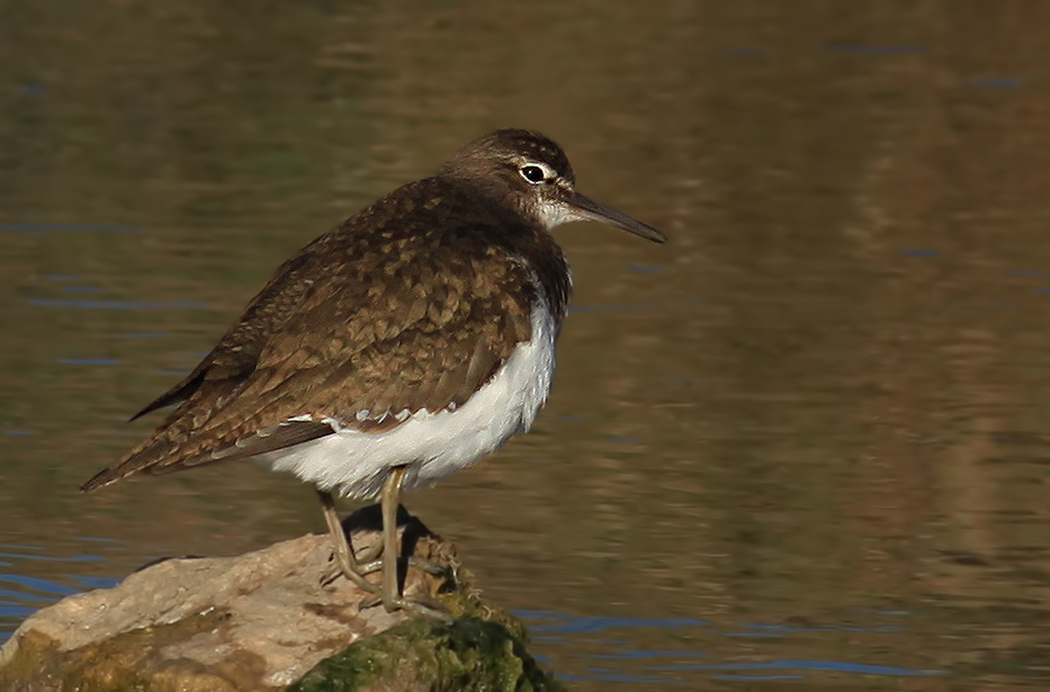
(434, 445)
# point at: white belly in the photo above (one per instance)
(433, 445)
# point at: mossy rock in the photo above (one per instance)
(264, 620)
(467, 654)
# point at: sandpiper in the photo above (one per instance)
(404, 345)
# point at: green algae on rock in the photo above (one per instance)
(467, 654)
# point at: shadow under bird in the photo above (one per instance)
(396, 349)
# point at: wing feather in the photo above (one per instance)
(356, 329)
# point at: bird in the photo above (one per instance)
(401, 346)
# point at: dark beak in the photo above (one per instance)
(595, 211)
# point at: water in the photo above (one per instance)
(804, 444)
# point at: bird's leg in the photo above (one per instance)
(390, 595)
(344, 553)
(391, 500)
(356, 567)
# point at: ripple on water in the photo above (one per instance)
(23, 592)
(640, 665)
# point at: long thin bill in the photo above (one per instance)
(596, 211)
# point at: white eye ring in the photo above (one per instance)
(536, 172)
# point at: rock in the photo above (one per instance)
(268, 619)
(424, 655)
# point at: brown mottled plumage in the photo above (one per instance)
(412, 303)
(377, 335)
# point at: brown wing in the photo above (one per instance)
(358, 328)
(237, 353)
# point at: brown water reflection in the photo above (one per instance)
(807, 439)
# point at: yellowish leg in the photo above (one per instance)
(391, 593)
(344, 554)
(391, 500)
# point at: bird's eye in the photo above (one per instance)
(533, 173)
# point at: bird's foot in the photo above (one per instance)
(433, 568)
(353, 570)
(414, 606)
(357, 572)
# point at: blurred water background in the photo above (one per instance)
(806, 445)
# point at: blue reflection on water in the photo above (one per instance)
(629, 654)
(95, 582)
(589, 624)
(6, 594)
(12, 611)
(804, 664)
(49, 558)
(84, 289)
(42, 586)
(22, 594)
(607, 675)
(564, 630)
